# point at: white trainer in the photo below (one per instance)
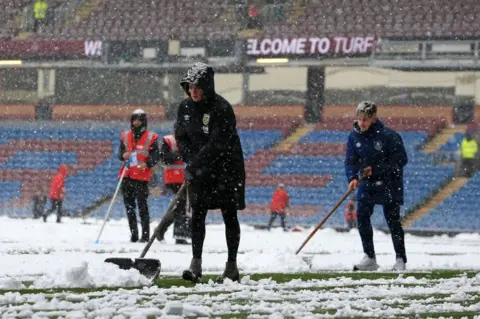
(367, 264)
(399, 265)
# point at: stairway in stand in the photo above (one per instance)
(454, 185)
(442, 137)
(294, 138)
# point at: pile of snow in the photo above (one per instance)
(86, 276)
(8, 283)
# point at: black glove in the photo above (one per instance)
(196, 174)
(187, 176)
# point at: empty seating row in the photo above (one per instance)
(213, 19)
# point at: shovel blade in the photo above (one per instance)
(148, 267)
(122, 263)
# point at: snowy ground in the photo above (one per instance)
(37, 255)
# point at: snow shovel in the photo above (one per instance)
(148, 267)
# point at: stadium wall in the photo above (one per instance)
(439, 85)
(26, 112)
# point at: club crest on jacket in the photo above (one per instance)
(377, 145)
(206, 119)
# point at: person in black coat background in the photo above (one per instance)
(39, 202)
(209, 143)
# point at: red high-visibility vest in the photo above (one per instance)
(173, 173)
(350, 216)
(142, 148)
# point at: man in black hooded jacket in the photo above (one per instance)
(140, 147)
(209, 143)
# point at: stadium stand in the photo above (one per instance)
(421, 177)
(31, 155)
(142, 19)
(312, 169)
(458, 212)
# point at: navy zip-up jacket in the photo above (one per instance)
(381, 148)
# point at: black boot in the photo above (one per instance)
(231, 272)
(181, 241)
(194, 273)
(134, 237)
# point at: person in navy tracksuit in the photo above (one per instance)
(376, 152)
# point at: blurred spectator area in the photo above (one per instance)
(17, 15)
(218, 19)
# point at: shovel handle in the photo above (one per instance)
(180, 193)
(340, 201)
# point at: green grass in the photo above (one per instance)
(169, 281)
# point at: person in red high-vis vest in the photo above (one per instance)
(173, 178)
(278, 206)
(57, 193)
(351, 214)
(140, 147)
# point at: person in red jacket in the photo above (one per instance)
(278, 206)
(57, 193)
(351, 214)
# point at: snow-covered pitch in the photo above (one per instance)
(35, 255)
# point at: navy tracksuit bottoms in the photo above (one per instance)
(392, 216)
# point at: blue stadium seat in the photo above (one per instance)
(460, 211)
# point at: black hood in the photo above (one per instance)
(201, 75)
(142, 116)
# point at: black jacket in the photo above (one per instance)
(209, 143)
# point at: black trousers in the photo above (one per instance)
(135, 193)
(273, 216)
(56, 206)
(392, 216)
(468, 167)
(182, 225)
(199, 213)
